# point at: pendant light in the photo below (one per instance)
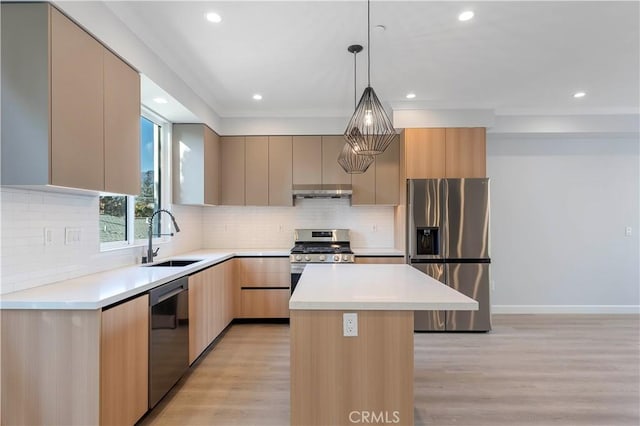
(350, 160)
(370, 131)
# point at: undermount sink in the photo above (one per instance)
(175, 263)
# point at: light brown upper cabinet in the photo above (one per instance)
(196, 165)
(451, 152)
(388, 174)
(280, 170)
(77, 100)
(232, 171)
(332, 172)
(307, 160)
(256, 170)
(121, 126)
(466, 153)
(211, 167)
(424, 153)
(364, 187)
(67, 106)
(380, 183)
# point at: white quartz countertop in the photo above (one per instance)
(96, 291)
(391, 252)
(285, 252)
(374, 287)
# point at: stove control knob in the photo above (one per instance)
(336, 258)
(298, 257)
(307, 258)
(345, 257)
(322, 257)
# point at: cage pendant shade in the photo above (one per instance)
(353, 163)
(370, 130)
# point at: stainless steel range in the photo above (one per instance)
(318, 246)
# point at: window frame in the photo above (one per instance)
(165, 190)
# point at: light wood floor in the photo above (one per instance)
(531, 370)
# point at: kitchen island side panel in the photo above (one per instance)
(50, 367)
(341, 380)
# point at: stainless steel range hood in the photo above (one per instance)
(322, 191)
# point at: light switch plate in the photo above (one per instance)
(72, 235)
(48, 236)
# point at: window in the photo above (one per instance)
(149, 199)
(123, 219)
(113, 219)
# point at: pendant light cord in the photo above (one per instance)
(368, 43)
(355, 84)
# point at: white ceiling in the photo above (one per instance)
(513, 57)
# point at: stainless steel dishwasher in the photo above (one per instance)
(168, 337)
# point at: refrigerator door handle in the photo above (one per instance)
(444, 218)
(410, 221)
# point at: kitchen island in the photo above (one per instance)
(368, 378)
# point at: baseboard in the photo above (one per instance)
(565, 309)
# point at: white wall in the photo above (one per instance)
(272, 227)
(26, 262)
(559, 211)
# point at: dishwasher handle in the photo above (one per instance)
(166, 291)
(170, 295)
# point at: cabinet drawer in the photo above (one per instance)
(264, 303)
(265, 272)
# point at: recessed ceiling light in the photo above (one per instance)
(579, 95)
(213, 17)
(411, 95)
(257, 97)
(466, 15)
(160, 100)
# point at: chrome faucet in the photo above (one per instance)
(150, 253)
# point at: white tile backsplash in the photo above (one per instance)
(26, 262)
(272, 227)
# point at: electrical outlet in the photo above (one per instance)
(350, 324)
(374, 228)
(627, 231)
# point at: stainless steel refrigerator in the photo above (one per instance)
(448, 239)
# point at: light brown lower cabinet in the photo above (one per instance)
(263, 287)
(50, 367)
(210, 306)
(76, 367)
(198, 318)
(124, 358)
(265, 303)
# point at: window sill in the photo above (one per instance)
(106, 247)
